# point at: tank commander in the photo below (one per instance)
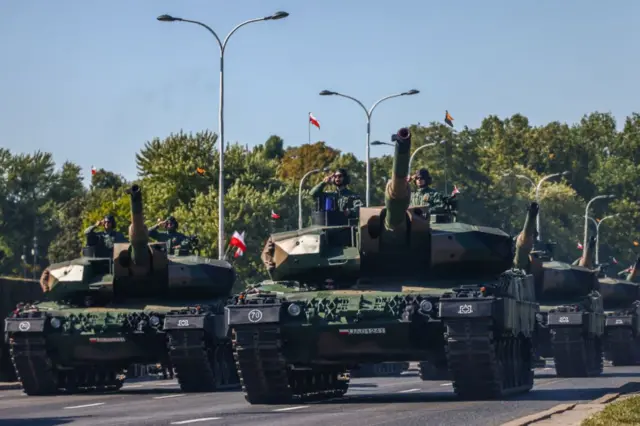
(424, 194)
(172, 237)
(104, 241)
(342, 199)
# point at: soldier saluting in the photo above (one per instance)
(171, 236)
(344, 198)
(425, 195)
(104, 241)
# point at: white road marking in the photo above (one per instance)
(291, 408)
(446, 384)
(131, 386)
(204, 419)
(409, 390)
(166, 384)
(84, 406)
(169, 396)
(548, 368)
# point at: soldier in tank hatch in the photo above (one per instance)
(172, 237)
(424, 195)
(104, 241)
(345, 200)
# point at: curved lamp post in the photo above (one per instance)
(222, 44)
(421, 148)
(310, 172)
(586, 218)
(538, 186)
(598, 234)
(368, 112)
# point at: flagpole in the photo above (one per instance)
(309, 126)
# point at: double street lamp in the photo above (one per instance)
(597, 224)
(586, 221)
(368, 112)
(537, 186)
(222, 44)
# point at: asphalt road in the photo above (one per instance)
(404, 400)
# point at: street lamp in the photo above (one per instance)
(598, 235)
(375, 143)
(222, 45)
(586, 218)
(326, 169)
(538, 186)
(368, 112)
(420, 148)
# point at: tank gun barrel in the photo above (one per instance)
(635, 270)
(524, 242)
(138, 232)
(397, 194)
(587, 254)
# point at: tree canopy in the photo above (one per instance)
(179, 176)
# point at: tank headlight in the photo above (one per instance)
(154, 320)
(294, 310)
(55, 323)
(426, 306)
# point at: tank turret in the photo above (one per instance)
(526, 238)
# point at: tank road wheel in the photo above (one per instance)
(622, 347)
(202, 364)
(574, 354)
(35, 370)
(483, 365)
(267, 378)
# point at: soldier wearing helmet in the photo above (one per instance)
(424, 194)
(345, 200)
(104, 241)
(172, 237)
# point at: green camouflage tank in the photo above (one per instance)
(141, 306)
(391, 287)
(622, 325)
(571, 319)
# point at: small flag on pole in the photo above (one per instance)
(200, 171)
(580, 246)
(448, 118)
(314, 120)
(237, 240)
(455, 191)
(93, 170)
(274, 215)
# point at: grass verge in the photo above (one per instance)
(621, 413)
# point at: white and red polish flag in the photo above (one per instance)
(237, 240)
(314, 120)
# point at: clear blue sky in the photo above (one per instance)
(92, 81)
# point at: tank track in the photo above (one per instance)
(383, 369)
(623, 348)
(267, 378)
(202, 363)
(483, 365)
(40, 376)
(574, 354)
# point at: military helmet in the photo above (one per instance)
(172, 220)
(110, 218)
(424, 174)
(346, 179)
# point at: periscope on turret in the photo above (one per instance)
(141, 305)
(393, 287)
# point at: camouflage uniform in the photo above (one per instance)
(345, 198)
(103, 241)
(426, 196)
(172, 237)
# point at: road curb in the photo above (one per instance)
(628, 387)
(10, 386)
